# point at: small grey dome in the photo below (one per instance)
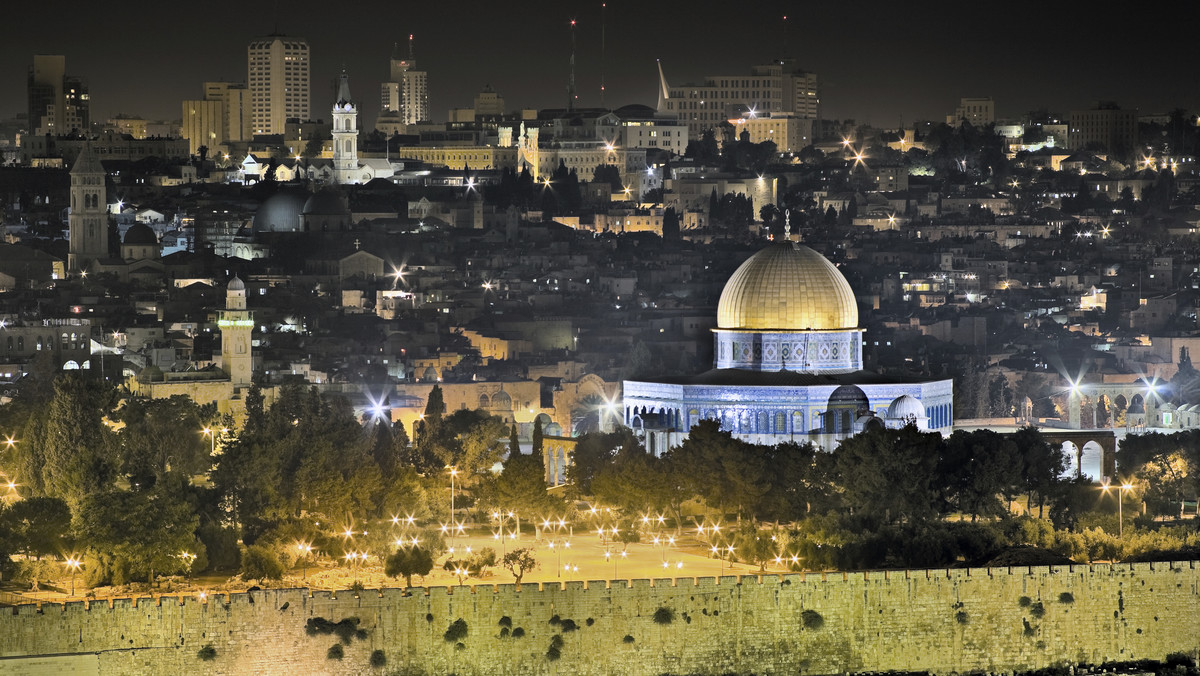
(906, 406)
(236, 284)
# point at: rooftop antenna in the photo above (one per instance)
(603, 5)
(571, 96)
(664, 92)
(410, 48)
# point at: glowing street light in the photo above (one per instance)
(304, 550)
(1124, 488)
(73, 563)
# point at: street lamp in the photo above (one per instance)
(1125, 487)
(73, 563)
(304, 550)
(189, 558)
(453, 474)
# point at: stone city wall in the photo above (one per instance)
(988, 619)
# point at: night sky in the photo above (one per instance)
(879, 63)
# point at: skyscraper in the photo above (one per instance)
(223, 115)
(58, 103)
(773, 88)
(407, 90)
(278, 78)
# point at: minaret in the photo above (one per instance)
(345, 133)
(87, 222)
(236, 323)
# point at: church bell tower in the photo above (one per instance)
(345, 133)
(87, 223)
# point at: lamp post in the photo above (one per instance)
(74, 564)
(453, 473)
(1122, 489)
(304, 550)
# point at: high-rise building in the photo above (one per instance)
(407, 90)
(774, 88)
(1105, 127)
(87, 220)
(58, 103)
(278, 78)
(978, 111)
(223, 115)
(238, 108)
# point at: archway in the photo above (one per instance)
(845, 404)
(1091, 461)
(1120, 406)
(1072, 456)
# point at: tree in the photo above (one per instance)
(435, 407)
(518, 562)
(754, 545)
(408, 561)
(594, 452)
(77, 445)
(37, 526)
(610, 174)
(727, 473)
(670, 228)
(521, 486)
(261, 563)
(514, 442)
(888, 475)
(162, 435)
(978, 468)
(538, 440)
(1041, 465)
(137, 534)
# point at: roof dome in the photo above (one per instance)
(236, 284)
(140, 234)
(787, 287)
(279, 213)
(906, 406)
(325, 203)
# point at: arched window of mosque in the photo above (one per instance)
(64, 340)
(780, 422)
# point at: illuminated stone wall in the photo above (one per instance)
(941, 621)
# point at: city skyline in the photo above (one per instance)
(892, 67)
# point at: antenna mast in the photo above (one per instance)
(571, 96)
(603, 5)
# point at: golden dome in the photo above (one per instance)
(787, 287)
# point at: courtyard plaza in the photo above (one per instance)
(575, 556)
